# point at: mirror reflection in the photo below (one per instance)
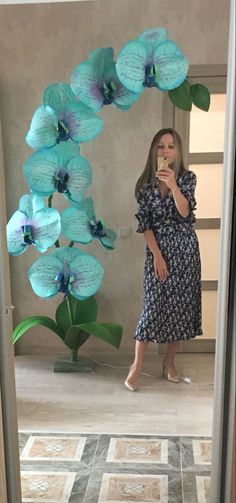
(89, 418)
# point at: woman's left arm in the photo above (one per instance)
(167, 175)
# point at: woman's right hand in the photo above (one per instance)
(160, 267)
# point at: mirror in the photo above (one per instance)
(48, 403)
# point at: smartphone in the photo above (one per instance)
(161, 161)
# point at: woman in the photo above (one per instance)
(172, 286)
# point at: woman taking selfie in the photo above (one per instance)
(172, 274)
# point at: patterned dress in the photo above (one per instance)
(172, 309)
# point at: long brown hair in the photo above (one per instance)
(149, 171)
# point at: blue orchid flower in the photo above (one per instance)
(151, 60)
(61, 118)
(66, 270)
(60, 169)
(32, 224)
(80, 224)
(96, 83)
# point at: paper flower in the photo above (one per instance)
(151, 60)
(96, 83)
(62, 117)
(80, 224)
(66, 270)
(60, 169)
(32, 224)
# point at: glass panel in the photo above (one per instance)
(207, 128)
(209, 250)
(209, 306)
(208, 190)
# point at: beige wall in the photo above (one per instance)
(41, 44)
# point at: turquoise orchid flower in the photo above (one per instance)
(96, 83)
(60, 169)
(61, 118)
(80, 224)
(66, 270)
(32, 224)
(151, 60)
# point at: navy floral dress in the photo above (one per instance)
(172, 309)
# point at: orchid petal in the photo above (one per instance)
(58, 96)
(80, 177)
(124, 98)
(88, 276)
(172, 66)
(31, 203)
(108, 241)
(130, 66)
(39, 170)
(15, 241)
(151, 39)
(43, 128)
(47, 223)
(85, 84)
(75, 225)
(88, 206)
(82, 122)
(101, 60)
(65, 151)
(42, 275)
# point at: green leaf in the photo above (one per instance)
(181, 96)
(107, 332)
(81, 310)
(33, 321)
(75, 337)
(200, 96)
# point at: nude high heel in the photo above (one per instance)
(176, 379)
(131, 383)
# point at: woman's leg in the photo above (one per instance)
(136, 367)
(169, 360)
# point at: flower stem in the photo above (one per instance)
(74, 355)
(69, 310)
(50, 201)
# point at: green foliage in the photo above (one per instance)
(33, 321)
(185, 95)
(181, 96)
(200, 96)
(75, 322)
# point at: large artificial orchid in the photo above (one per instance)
(151, 60)
(80, 224)
(59, 169)
(61, 118)
(32, 224)
(96, 83)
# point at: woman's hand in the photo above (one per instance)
(160, 267)
(167, 175)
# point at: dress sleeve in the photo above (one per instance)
(143, 214)
(188, 189)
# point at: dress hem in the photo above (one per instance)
(148, 339)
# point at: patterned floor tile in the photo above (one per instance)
(120, 488)
(202, 452)
(53, 448)
(136, 450)
(203, 489)
(46, 487)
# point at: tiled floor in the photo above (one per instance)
(92, 468)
